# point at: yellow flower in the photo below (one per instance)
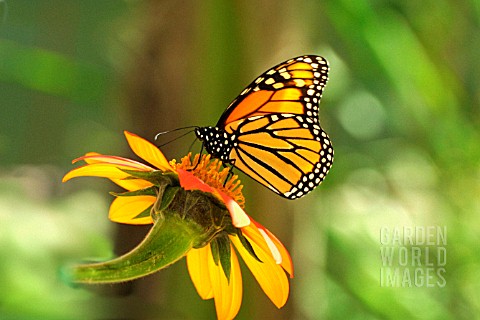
(212, 263)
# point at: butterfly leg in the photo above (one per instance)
(230, 165)
(200, 156)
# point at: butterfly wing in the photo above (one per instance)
(292, 87)
(282, 154)
(279, 141)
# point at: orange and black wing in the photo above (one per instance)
(292, 87)
(278, 138)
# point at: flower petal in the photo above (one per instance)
(189, 181)
(197, 264)
(88, 155)
(286, 261)
(125, 209)
(93, 157)
(97, 170)
(148, 151)
(228, 295)
(133, 184)
(271, 246)
(269, 275)
(239, 218)
(108, 167)
(253, 233)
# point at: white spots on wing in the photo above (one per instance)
(278, 85)
(299, 82)
(270, 81)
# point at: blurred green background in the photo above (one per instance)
(401, 107)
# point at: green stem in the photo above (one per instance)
(168, 241)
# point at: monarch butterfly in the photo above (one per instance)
(271, 131)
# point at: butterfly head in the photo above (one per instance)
(216, 141)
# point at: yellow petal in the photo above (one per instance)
(197, 264)
(132, 184)
(269, 274)
(93, 157)
(253, 233)
(279, 253)
(286, 263)
(148, 152)
(128, 184)
(89, 154)
(125, 209)
(228, 295)
(271, 246)
(97, 170)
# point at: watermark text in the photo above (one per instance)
(413, 256)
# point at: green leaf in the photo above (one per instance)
(156, 177)
(222, 251)
(246, 244)
(165, 196)
(150, 191)
(215, 251)
(144, 213)
(168, 196)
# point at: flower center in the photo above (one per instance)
(211, 172)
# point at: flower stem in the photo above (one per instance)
(168, 241)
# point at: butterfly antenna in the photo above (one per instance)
(177, 129)
(174, 139)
